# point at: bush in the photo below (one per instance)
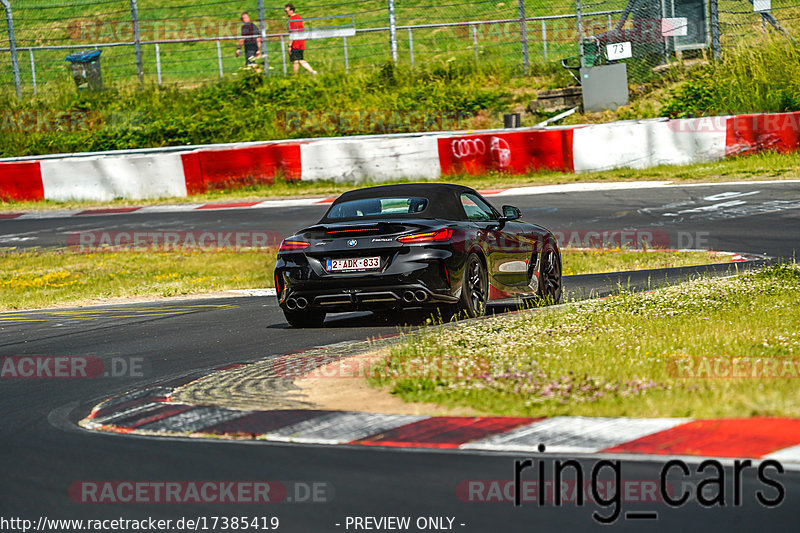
(761, 74)
(697, 96)
(245, 107)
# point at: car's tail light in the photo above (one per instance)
(288, 245)
(440, 235)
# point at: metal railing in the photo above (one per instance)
(526, 33)
(275, 42)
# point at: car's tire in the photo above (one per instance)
(304, 319)
(550, 289)
(474, 288)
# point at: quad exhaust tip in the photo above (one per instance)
(299, 303)
(414, 296)
(408, 297)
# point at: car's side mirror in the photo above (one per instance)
(511, 213)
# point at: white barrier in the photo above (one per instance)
(649, 143)
(375, 159)
(106, 178)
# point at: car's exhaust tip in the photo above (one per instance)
(420, 296)
(291, 304)
(302, 303)
(408, 296)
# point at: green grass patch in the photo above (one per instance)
(743, 81)
(46, 278)
(617, 357)
(594, 261)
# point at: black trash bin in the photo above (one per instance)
(86, 70)
(512, 120)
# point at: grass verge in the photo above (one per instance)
(46, 278)
(742, 81)
(768, 165)
(667, 353)
(594, 261)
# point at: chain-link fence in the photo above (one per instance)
(172, 41)
(741, 19)
(192, 43)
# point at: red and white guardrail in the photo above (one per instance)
(582, 148)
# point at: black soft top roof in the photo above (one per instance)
(444, 198)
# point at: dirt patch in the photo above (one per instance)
(327, 390)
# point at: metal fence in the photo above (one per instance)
(171, 41)
(744, 18)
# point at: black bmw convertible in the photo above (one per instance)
(415, 245)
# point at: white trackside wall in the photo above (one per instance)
(105, 178)
(645, 144)
(380, 159)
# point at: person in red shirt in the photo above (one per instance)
(298, 46)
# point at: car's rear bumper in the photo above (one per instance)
(366, 299)
(416, 278)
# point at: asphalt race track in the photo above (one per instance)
(756, 218)
(43, 453)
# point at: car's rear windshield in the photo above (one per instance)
(369, 207)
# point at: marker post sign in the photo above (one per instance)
(617, 51)
(675, 27)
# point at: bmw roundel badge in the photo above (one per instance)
(352, 242)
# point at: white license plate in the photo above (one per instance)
(354, 263)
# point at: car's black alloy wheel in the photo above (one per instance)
(475, 288)
(550, 288)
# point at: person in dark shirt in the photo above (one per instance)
(298, 46)
(251, 39)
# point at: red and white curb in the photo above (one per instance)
(150, 412)
(307, 202)
(161, 173)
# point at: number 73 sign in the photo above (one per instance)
(617, 51)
